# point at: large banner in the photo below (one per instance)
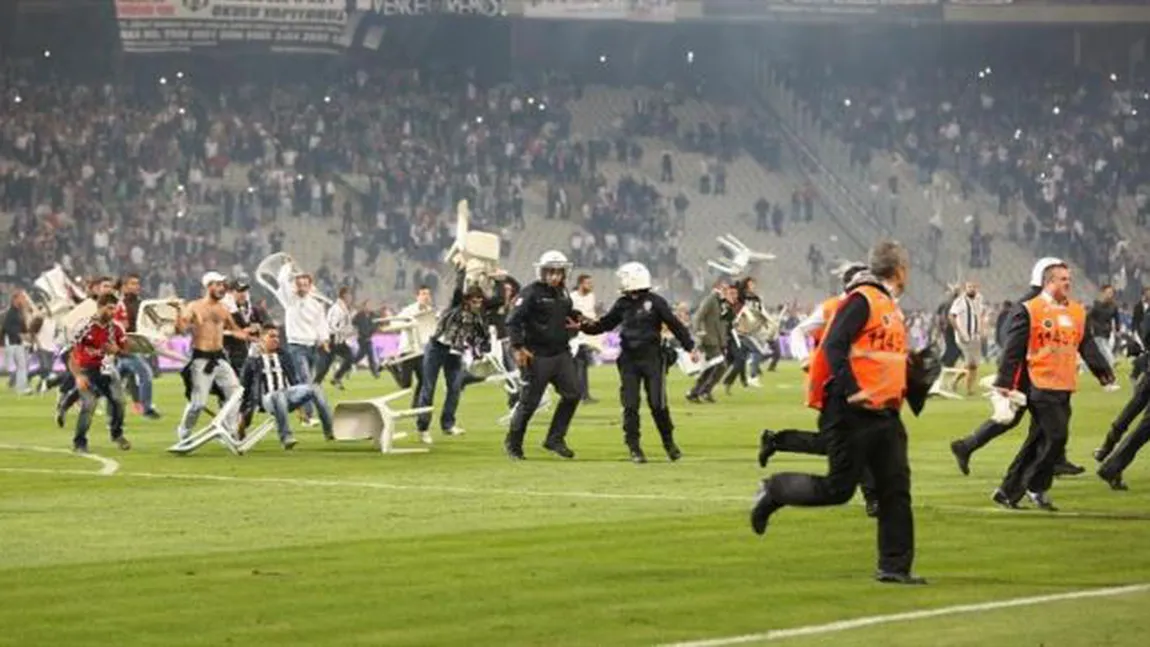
(635, 10)
(831, 9)
(433, 7)
(175, 25)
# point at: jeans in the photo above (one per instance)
(99, 386)
(280, 403)
(139, 368)
(16, 359)
(1107, 350)
(305, 358)
(45, 360)
(438, 357)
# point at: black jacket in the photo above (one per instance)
(1012, 370)
(252, 380)
(642, 318)
(538, 320)
(1102, 319)
(235, 346)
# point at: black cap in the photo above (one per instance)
(239, 285)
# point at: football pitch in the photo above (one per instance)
(335, 544)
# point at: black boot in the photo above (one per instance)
(763, 509)
(559, 447)
(636, 452)
(961, 456)
(767, 447)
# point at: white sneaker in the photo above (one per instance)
(454, 431)
(425, 438)
(182, 434)
(1111, 388)
(754, 382)
(311, 422)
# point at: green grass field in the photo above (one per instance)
(339, 545)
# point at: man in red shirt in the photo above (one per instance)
(92, 362)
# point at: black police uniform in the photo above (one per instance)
(538, 323)
(1117, 452)
(964, 448)
(642, 315)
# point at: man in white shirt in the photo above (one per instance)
(422, 312)
(966, 316)
(305, 321)
(583, 300)
(342, 331)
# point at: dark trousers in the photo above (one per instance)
(365, 349)
(1134, 407)
(583, 360)
(707, 380)
(989, 430)
(438, 357)
(796, 441)
(1045, 444)
(1122, 455)
(408, 374)
(736, 365)
(340, 352)
(857, 440)
(99, 386)
(558, 371)
(336, 353)
(776, 355)
(644, 369)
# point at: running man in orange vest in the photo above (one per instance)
(1043, 341)
(798, 441)
(858, 381)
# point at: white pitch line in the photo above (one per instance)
(108, 466)
(870, 621)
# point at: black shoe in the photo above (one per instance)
(872, 508)
(961, 456)
(1001, 499)
(673, 452)
(559, 447)
(709, 399)
(1042, 501)
(693, 399)
(60, 414)
(637, 455)
(1066, 468)
(1103, 452)
(590, 400)
(767, 447)
(763, 509)
(338, 384)
(80, 449)
(1115, 482)
(514, 453)
(888, 577)
(152, 414)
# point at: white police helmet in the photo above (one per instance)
(633, 276)
(552, 260)
(1040, 268)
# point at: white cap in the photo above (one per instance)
(1040, 268)
(212, 277)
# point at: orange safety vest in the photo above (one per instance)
(1052, 350)
(878, 356)
(828, 307)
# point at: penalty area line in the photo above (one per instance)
(870, 621)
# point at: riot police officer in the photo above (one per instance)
(642, 314)
(540, 326)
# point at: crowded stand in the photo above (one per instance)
(1058, 149)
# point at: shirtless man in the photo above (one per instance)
(208, 319)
